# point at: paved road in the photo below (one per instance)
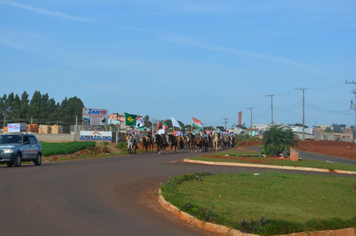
(315, 156)
(102, 196)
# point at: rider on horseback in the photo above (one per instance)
(146, 134)
(133, 133)
(205, 135)
(162, 133)
(217, 130)
(195, 131)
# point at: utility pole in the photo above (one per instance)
(4, 120)
(354, 92)
(225, 122)
(251, 117)
(303, 109)
(271, 95)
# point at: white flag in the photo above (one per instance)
(175, 123)
(140, 123)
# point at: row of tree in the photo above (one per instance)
(40, 107)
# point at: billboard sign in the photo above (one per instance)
(96, 135)
(16, 127)
(93, 116)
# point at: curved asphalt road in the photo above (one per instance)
(315, 156)
(101, 196)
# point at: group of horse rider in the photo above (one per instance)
(198, 133)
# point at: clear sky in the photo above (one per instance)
(202, 58)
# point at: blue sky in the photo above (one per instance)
(207, 59)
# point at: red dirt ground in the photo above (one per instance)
(331, 148)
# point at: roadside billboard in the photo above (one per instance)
(92, 116)
(16, 127)
(96, 135)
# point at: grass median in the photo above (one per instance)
(266, 203)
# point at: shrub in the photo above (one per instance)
(277, 139)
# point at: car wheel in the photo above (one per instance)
(38, 160)
(17, 161)
(9, 164)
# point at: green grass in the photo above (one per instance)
(279, 162)
(283, 203)
(49, 149)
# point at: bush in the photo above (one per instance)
(276, 140)
(122, 145)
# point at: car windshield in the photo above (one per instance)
(4, 139)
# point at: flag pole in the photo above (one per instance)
(125, 126)
(191, 125)
(158, 125)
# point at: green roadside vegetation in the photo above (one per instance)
(244, 156)
(90, 149)
(49, 149)
(266, 203)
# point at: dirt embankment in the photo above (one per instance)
(331, 148)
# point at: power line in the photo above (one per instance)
(324, 110)
(289, 107)
(260, 116)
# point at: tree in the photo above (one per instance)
(147, 121)
(9, 103)
(2, 106)
(336, 128)
(35, 105)
(16, 108)
(241, 126)
(276, 140)
(328, 130)
(300, 125)
(24, 105)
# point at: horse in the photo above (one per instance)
(194, 142)
(224, 140)
(182, 142)
(161, 143)
(215, 138)
(205, 144)
(173, 141)
(131, 144)
(233, 141)
(147, 143)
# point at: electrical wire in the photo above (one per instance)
(289, 107)
(341, 112)
(263, 114)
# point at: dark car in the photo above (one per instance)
(18, 147)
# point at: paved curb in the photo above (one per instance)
(270, 166)
(219, 229)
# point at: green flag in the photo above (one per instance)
(130, 120)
